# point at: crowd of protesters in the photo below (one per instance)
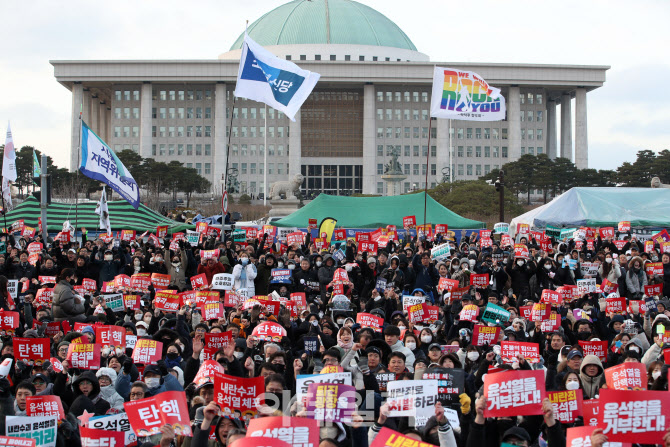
(401, 347)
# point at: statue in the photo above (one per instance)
(393, 167)
(656, 183)
(288, 187)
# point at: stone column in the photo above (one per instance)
(145, 120)
(551, 129)
(581, 135)
(220, 143)
(294, 145)
(103, 125)
(369, 151)
(514, 124)
(95, 114)
(75, 131)
(566, 126)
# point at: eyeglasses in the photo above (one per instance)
(136, 394)
(329, 361)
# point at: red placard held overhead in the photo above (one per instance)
(514, 393)
(147, 351)
(634, 416)
(147, 416)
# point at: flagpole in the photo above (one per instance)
(425, 191)
(76, 186)
(225, 172)
(265, 157)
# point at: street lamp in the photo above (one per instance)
(500, 187)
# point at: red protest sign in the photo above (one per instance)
(526, 312)
(218, 340)
(506, 240)
(551, 324)
(540, 311)
(479, 280)
(212, 311)
(469, 313)
(514, 393)
(430, 313)
(340, 234)
(608, 286)
(320, 243)
(292, 430)
(415, 313)
(147, 416)
(84, 355)
(167, 300)
(297, 237)
(161, 231)
(551, 297)
(485, 335)
(131, 302)
(269, 331)
(521, 251)
(96, 437)
(485, 234)
(122, 282)
(447, 284)
(409, 222)
(362, 237)
(655, 290)
(201, 297)
(89, 284)
(567, 404)
(369, 247)
(44, 296)
(9, 321)
(47, 279)
(648, 246)
(632, 416)
(199, 282)
(11, 441)
(147, 351)
(160, 280)
(232, 299)
(111, 336)
(44, 406)
(31, 350)
(369, 320)
(627, 376)
(509, 350)
(607, 232)
(624, 226)
(238, 394)
(441, 228)
(616, 305)
(653, 268)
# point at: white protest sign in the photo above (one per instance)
(500, 228)
(222, 281)
(410, 300)
(115, 422)
(43, 429)
(130, 341)
(192, 237)
(586, 286)
(440, 252)
(413, 398)
(12, 288)
(283, 232)
(115, 302)
(589, 268)
(302, 382)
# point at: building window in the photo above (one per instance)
(374, 58)
(136, 113)
(380, 168)
(161, 149)
(405, 114)
(171, 150)
(433, 169)
(244, 168)
(415, 150)
(180, 149)
(531, 150)
(522, 98)
(415, 96)
(163, 95)
(389, 114)
(496, 153)
(469, 169)
(398, 132)
(530, 98)
(460, 170)
(424, 151)
(469, 151)
(198, 149)
(478, 151)
(504, 152)
(162, 112)
(117, 95)
(531, 134)
(504, 133)
(153, 131)
(303, 57)
(539, 116)
(208, 131)
(208, 149)
(487, 151)
(347, 57)
(189, 150)
(487, 169)
(380, 149)
(539, 150)
(252, 168)
(423, 169)
(380, 187)
(117, 113)
(523, 134)
(478, 133)
(487, 133)
(523, 150)
(415, 169)
(136, 131)
(153, 150)
(539, 134)
(478, 170)
(407, 132)
(495, 134)
(469, 133)
(522, 116)
(424, 96)
(317, 57)
(361, 58)
(406, 170)
(389, 132)
(459, 133)
(433, 151)
(198, 167)
(538, 98)
(117, 132)
(460, 152)
(529, 115)
(332, 57)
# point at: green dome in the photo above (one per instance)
(326, 22)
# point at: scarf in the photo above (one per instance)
(341, 343)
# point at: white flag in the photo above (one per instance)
(265, 78)
(103, 212)
(464, 95)
(7, 194)
(9, 158)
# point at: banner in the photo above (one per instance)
(264, 77)
(615, 305)
(45, 406)
(409, 222)
(237, 394)
(511, 349)
(211, 311)
(551, 297)
(9, 321)
(540, 312)
(91, 437)
(302, 382)
(148, 415)
(199, 282)
(8, 441)
(447, 284)
(469, 313)
(147, 351)
(485, 335)
(413, 398)
(495, 314)
(464, 95)
(369, 320)
(269, 331)
(111, 336)
(450, 385)
(514, 393)
(632, 416)
(99, 162)
(31, 350)
(655, 290)
(167, 300)
(294, 431)
(222, 281)
(42, 429)
(479, 280)
(331, 402)
(567, 404)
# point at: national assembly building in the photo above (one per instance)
(370, 106)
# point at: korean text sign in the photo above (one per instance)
(514, 393)
(147, 416)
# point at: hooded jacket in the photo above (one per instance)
(635, 282)
(326, 274)
(248, 283)
(100, 404)
(64, 304)
(108, 392)
(591, 385)
(409, 355)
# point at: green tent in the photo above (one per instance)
(375, 212)
(122, 216)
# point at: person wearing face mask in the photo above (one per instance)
(412, 343)
(636, 278)
(210, 267)
(462, 274)
(66, 304)
(176, 268)
(654, 371)
(591, 374)
(106, 379)
(570, 382)
(142, 327)
(110, 266)
(521, 272)
(135, 266)
(305, 278)
(610, 269)
(156, 377)
(546, 274)
(264, 273)
(173, 356)
(325, 274)
(244, 274)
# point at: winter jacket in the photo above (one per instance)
(101, 405)
(211, 271)
(591, 385)
(65, 305)
(170, 383)
(108, 392)
(409, 355)
(178, 274)
(248, 281)
(635, 281)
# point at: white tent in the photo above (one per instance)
(528, 218)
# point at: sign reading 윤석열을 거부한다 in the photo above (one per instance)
(264, 77)
(464, 95)
(99, 162)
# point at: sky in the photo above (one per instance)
(629, 113)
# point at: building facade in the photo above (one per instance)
(373, 99)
